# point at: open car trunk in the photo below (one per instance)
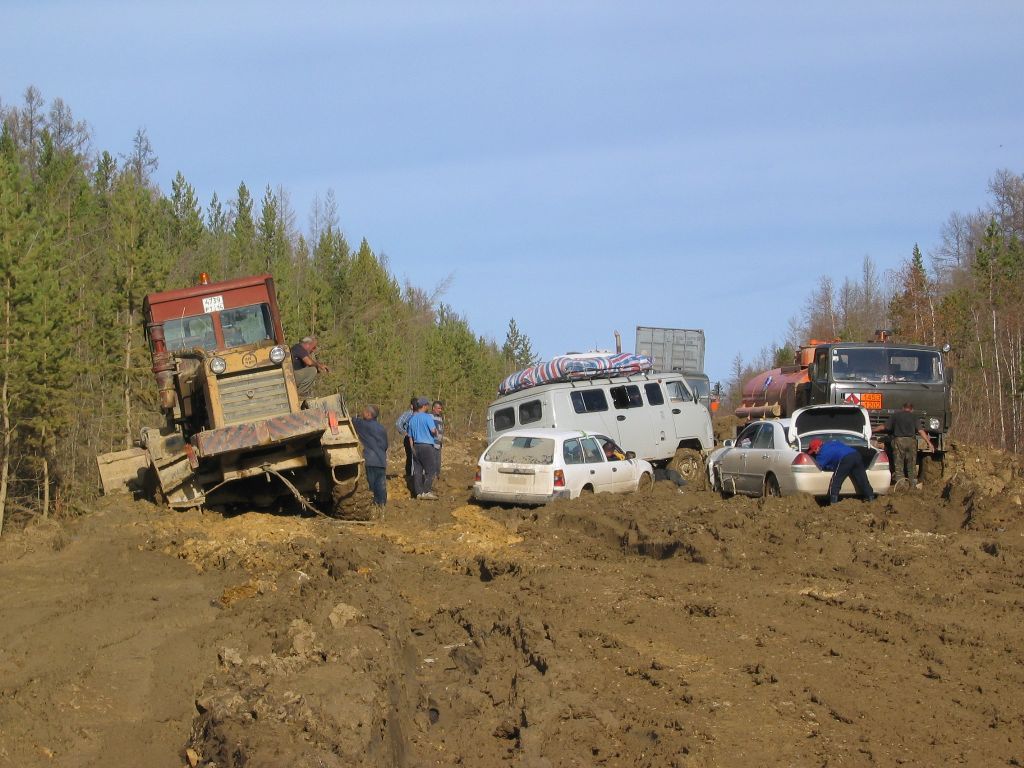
(832, 418)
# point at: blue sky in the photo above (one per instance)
(580, 166)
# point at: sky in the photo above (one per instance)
(582, 167)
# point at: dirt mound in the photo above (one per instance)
(665, 628)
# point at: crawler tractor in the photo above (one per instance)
(235, 429)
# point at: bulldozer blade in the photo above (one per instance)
(123, 471)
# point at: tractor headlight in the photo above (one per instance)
(218, 365)
(278, 354)
(934, 424)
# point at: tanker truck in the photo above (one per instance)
(235, 429)
(879, 375)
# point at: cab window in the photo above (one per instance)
(530, 412)
(588, 400)
(627, 396)
(654, 394)
(677, 393)
(504, 418)
(190, 333)
(246, 325)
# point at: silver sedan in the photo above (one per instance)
(767, 457)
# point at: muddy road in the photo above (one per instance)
(664, 629)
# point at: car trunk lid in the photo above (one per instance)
(831, 418)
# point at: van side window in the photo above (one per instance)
(592, 452)
(530, 412)
(626, 396)
(677, 392)
(654, 394)
(572, 452)
(588, 400)
(504, 418)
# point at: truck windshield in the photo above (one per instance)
(886, 364)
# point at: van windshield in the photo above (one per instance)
(886, 364)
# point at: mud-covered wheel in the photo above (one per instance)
(645, 484)
(687, 462)
(771, 487)
(690, 464)
(351, 502)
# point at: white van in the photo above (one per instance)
(651, 414)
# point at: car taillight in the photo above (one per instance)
(804, 463)
(559, 479)
(882, 458)
(477, 478)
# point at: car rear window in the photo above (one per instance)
(588, 400)
(504, 418)
(521, 450)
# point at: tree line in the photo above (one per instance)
(85, 235)
(968, 292)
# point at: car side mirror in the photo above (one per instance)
(729, 443)
(630, 454)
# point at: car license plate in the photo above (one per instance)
(871, 400)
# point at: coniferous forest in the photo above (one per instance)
(85, 234)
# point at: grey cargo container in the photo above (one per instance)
(672, 349)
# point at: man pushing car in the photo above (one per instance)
(844, 461)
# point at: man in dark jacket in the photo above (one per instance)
(844, 461)
(903, 428)
(374, 438)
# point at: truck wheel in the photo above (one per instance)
(690, 464)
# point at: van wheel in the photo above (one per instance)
(687, 462)
(771, 487)
(690, 464)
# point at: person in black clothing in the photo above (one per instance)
(903, 428)
(374, 438)
(306, 366)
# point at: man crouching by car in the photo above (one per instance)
(844, 461)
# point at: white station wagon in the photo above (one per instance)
(535, 466)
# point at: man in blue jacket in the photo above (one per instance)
(844, 461)
(374, 438)
(423, 432)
